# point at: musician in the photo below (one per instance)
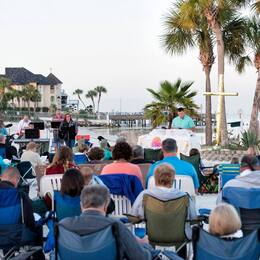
(22, 125)
(183, 121)
(68, 130)
(58, 117)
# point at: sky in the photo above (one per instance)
(115, 43)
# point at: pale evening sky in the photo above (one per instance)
(112, 43)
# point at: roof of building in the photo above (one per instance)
(22, 76)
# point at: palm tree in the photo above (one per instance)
(216, 12)
(4, 85)
(163, 108)
(179, 37)
(91, 94)
(31, 94)
(99, 90)
(79, 92)
(253, 43)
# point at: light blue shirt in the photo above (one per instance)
(185, 122)
(3, 131)
(181, 168)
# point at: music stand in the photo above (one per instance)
(32, 134)
(38, 125)
(55, 124)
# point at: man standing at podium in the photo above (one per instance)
(182, 121)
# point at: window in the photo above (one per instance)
(52, 99)
(52, 89)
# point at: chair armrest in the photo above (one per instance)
(133, 219)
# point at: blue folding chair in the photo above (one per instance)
(247, 201)
(80, 159)
(66, 206)
(207, 246)
(98, 245)
(227, 172)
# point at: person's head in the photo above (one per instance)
(224, 220)
(32, 146)
(25, 118)
(169, 146)
(248, 162)
(58, 113)
(96, 154)
(138, 151)
(87, 174)
(121, 151)
(82, 148)
(164, 175)
(103, 144)
(181, 112)
(120, 139)
(95, 197)
(2, 139)
(234, 160)
(12, 175)
(194, 151)
(63, 156)
(67, 117)
(72, 183)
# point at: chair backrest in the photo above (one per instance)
(3, 152)
(10, 206)
(181, 182)
(207, 246)
(165, 220)
(66, 206)
(122, 205)
(152, 155)
(144, 167)
(49, 183)
(227, 172)
(98, 245)
(80, 159)
(248, 203)
(26, 170)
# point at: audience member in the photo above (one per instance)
(68, 130)
(94, 203)
(138, 155)
(22, 125)
(224, 222)
(122, 153)
(169, 148)
(31, 155)
(95, 155)
(105, 148)
(164, 176)
(234, 160)
(3, 130)
(62, 161)
(81, 157)
(121, 139)
(9, 180)
(89, 177)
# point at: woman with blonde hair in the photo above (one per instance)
(224, 221)
(62, 161)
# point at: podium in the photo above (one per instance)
(186, 139)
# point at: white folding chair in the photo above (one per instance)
(181, 182)
(49, 183)
(122, 205)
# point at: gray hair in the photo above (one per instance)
(94, 196)
(138, 151)
(169, 145)
(120, 139)
(249, 161)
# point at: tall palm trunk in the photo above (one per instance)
(254, 122)
(93, 102)
(208, 117)
(80, 99)
(222, 138)
(99, 97)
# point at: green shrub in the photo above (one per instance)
(249, 139)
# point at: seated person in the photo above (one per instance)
(8, 151)
(169, 148)
(3, 130)
(31, 155)
(234, 160)
(225, 222)
(138, 155)
(89, 177)
(164, 177)
(122, 153)
(62, 161)
(94, 202)
(9, 180)
(105, 148)
(95, 155)
(81, 156)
